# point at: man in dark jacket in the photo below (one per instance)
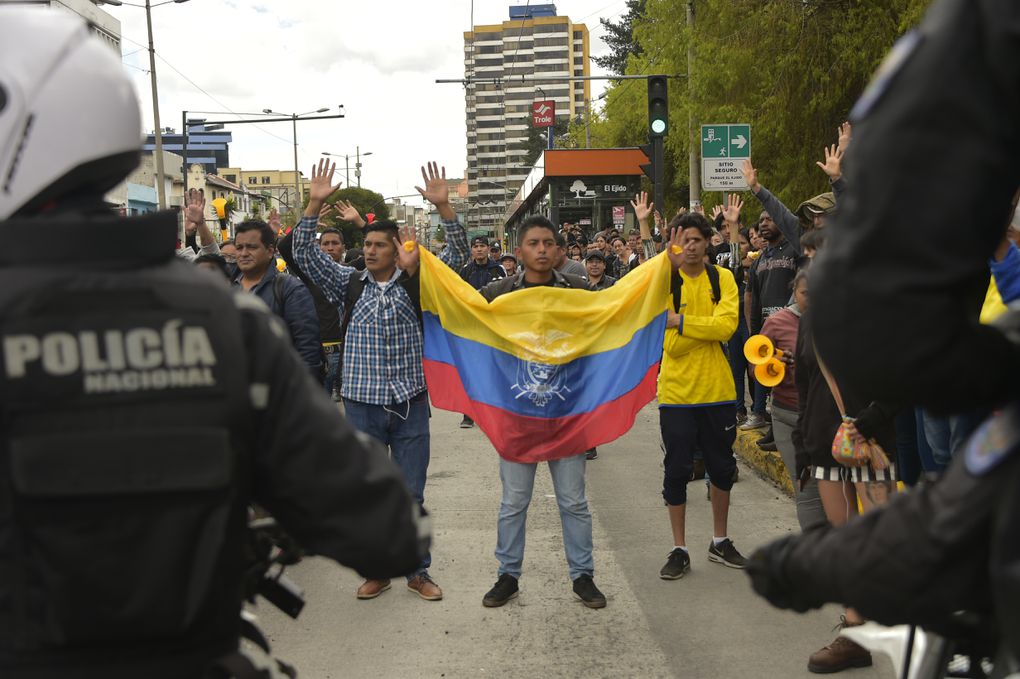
(481, 270)
(145, 404)
(286, 296)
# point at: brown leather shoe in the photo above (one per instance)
(841, 654)
(425, 588)
(370, 589)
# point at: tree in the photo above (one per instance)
(536, 141)
(365, 200)
(620, 39)
(793, 70)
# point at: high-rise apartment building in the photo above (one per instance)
(535, 42)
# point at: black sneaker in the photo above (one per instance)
(467, 423)
(588, 593)
(769, 437)
(726, 554)
(592, 454)
(504, 590)
(677, 565)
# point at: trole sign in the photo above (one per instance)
(543, 113)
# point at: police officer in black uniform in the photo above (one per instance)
(144, 404)
(931, 172)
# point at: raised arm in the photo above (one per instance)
(437, 192)
(642, 210)
(331, 277)
(787, 222)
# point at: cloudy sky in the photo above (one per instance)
(380, 59)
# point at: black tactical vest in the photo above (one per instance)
(124, 466)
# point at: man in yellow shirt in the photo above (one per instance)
(697, 393)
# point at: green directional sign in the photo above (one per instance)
(724, 147)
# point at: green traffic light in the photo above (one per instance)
(658, 126)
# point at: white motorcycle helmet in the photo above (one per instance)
(70, 127)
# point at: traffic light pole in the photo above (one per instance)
(659, 169)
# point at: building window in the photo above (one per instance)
(230, 178)
(265, 180)
(578, 35)
(253, 180)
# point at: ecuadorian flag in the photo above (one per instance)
(545, 372)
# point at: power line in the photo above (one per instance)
(199, 88)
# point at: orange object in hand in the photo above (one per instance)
(676, 249)
(409, 245)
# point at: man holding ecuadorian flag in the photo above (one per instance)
(548, 369)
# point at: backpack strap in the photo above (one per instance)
(713, 280)
(355, 286)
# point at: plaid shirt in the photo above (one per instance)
(382, 362)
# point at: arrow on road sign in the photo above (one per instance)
(739, 141)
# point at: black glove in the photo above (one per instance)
(767, 571)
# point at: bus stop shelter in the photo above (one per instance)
(588, 187)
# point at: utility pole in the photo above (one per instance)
(297, 173)
(357, 165)
(694, 167)
(160, 177)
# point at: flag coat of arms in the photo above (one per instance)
(545, 372)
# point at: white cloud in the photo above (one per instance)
(379, 59)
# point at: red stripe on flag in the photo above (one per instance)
(535, 439)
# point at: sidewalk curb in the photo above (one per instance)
(766, 464)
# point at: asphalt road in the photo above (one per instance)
(708, 624)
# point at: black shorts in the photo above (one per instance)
(710, 429)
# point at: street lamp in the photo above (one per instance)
(294, 118)
(347, 164)
(160, 179)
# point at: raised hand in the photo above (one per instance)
(347, 211)
(274, 220)
(716, 211)
(194, 210)
(833, 162)
(408, 260)
(845, 132)
(750, 175)
(733, 207)
(674, 249)
(324, 211)
(700, 209)
(658, 220)
(642, 208)
(321, 185)
(436, 191)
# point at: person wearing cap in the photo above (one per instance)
(770, 277)
(595, 264)
(509, 264)
(480, 270)
(495, 250)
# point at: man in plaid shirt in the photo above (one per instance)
(383, 384)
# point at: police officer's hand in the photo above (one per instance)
(766, 570)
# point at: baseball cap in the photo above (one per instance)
(508, 256)
(480, 239)
(596, 254)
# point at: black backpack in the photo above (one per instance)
(676, 284)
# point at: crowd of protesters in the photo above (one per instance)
(733, 280)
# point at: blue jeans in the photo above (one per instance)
(946, 435)
(568, 484)
(332, 363)
(404, 429)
